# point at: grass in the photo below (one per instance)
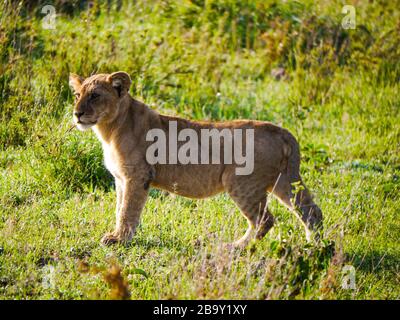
(201, 60)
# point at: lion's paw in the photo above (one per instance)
(110, 239)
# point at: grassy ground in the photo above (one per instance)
(201, 60)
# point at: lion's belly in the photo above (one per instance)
(193, 181)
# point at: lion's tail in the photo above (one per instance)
(291, 156)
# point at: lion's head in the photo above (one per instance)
(97, 97)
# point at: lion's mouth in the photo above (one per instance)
(83, 126)
(88, 123)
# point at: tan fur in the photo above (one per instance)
(121, 124)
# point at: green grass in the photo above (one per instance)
(201, 60)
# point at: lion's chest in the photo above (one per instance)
(111, 160)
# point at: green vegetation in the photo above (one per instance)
(202, 60)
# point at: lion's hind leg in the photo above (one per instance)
(293, 193)
(251, 198)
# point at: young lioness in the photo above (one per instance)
(122, 125)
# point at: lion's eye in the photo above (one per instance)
(94, 96)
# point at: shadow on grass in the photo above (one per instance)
(156, 243)
(374, 262)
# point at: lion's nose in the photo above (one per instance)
(78, 114)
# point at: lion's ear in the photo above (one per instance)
(75, 82)
(121, 81)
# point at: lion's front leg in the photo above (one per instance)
(131, 198)
(118, 191)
